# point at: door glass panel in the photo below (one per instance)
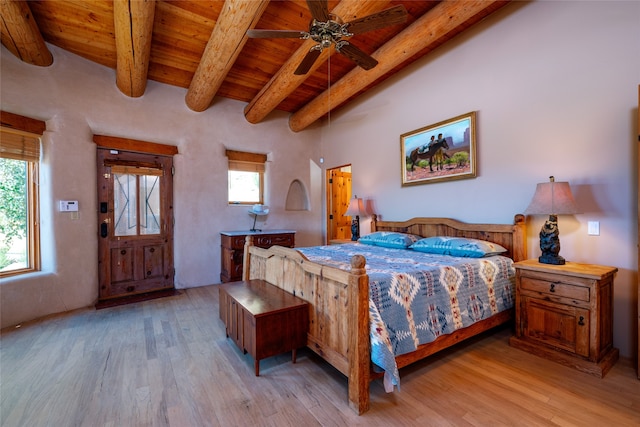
(125, 215)
(149, 204)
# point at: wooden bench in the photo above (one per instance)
(263, 320)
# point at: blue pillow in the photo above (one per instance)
(390, 239)
(457, 246)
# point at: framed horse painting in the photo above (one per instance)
(440, 152)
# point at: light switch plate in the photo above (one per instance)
(593, 228)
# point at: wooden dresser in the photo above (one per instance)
(565, 313)
(232, 248)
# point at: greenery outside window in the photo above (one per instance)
(246, 177)
(19, 216)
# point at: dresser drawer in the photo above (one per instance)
(233, 242)
(268, 240)
(555, 288)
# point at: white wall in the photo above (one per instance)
(78, 99)
(555, 87)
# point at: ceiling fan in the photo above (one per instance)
(327, 29)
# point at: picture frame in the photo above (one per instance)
(451, 155)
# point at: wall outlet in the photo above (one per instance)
(593, 228)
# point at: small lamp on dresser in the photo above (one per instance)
(355, 209)
(551, 198)
(256, 211)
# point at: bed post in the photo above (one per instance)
(519, 238)
(246, 266)
(359, 341)
(374, 223)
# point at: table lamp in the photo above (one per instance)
(355, 209)
(551, 198)
(256, 211)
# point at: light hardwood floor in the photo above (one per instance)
(167, 363)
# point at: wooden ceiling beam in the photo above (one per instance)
(133, 21)
(225, 44)
(284, 82)
(20, 34)
(446, 17)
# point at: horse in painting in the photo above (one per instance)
(436, 150)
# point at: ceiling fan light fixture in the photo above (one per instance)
(326, 29)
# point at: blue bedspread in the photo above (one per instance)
(415, 297)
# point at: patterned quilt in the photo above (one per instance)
(415, 297)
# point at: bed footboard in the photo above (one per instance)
(332, 294)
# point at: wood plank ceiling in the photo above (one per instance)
(201, 45)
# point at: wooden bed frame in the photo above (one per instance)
(335, 294)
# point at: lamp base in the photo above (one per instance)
(551, 259)
(355, 228)
(550, 242)
(254, 229)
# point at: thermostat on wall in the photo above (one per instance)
(68, 206)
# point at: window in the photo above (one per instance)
(246, 177)
(136, 200)
(19, 217)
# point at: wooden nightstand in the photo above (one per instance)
(565, 313)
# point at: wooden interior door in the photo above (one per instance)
(135, 217)
(338, 196)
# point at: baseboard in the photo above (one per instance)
(130, 299)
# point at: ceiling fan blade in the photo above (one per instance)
(356, 55)
(393, 15)
(275, 34)
(307, 62)
(319, 9)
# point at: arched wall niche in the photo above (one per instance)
(297, 197)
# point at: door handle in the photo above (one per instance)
(104, 231)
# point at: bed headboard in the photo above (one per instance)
(511, 236)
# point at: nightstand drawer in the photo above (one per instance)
(554, 288)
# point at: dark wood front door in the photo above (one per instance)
(135, 223)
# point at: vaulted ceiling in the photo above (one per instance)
(202, 45)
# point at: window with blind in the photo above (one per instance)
(246, 177)
(19, 217)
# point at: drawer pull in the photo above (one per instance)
(552, 288)
(581, 321)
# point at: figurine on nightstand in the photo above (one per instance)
(550, 242)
